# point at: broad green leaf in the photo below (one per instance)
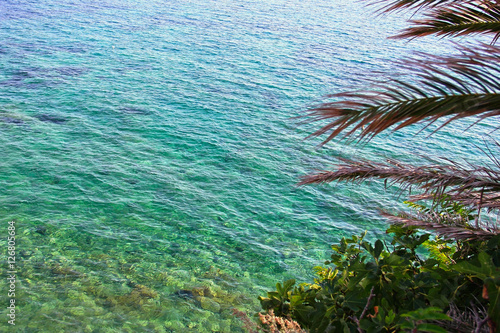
(353, 301)
(393, 260)
(389, 318)
(430, 313)
(379, 246)
(430, 328)
(406, 325)
(279, 288)
(483, 271)
(296, 300)
(287, 285)
(273, 294)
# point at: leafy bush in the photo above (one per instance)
(414, 283)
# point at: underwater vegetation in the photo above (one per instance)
(68, 279)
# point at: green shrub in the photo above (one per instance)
(414, 283)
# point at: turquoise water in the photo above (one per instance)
(148, 155)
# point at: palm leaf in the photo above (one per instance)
(470, 185)
(455, 87)
(388, 6)
(442, 226)
(457, 19)
(475, 199)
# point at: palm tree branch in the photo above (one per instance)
(471, 185)
(455, 87)
(475, 199)
(439, 225)
(457, 19)
(396, 5)
(372, 119)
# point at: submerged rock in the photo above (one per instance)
(209, 304)
(40, 229)
(71, 70)
(11, 120)
(137, 297)
(184, 293)
(133, 110)
(202, 291)
(57, 269)
(51, 118)
(143, 292)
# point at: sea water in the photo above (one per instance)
(149, 155)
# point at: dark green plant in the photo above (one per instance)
(417, 320)
(384, 287)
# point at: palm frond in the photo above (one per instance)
(395, 5)
(359, 170)
(454, 87)
(475, 186)
(456, 19)
(475, 199)
(442, 226)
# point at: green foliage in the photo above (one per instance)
(384, 287)
(419, 316)
(444, 206)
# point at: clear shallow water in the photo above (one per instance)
(149, 160)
